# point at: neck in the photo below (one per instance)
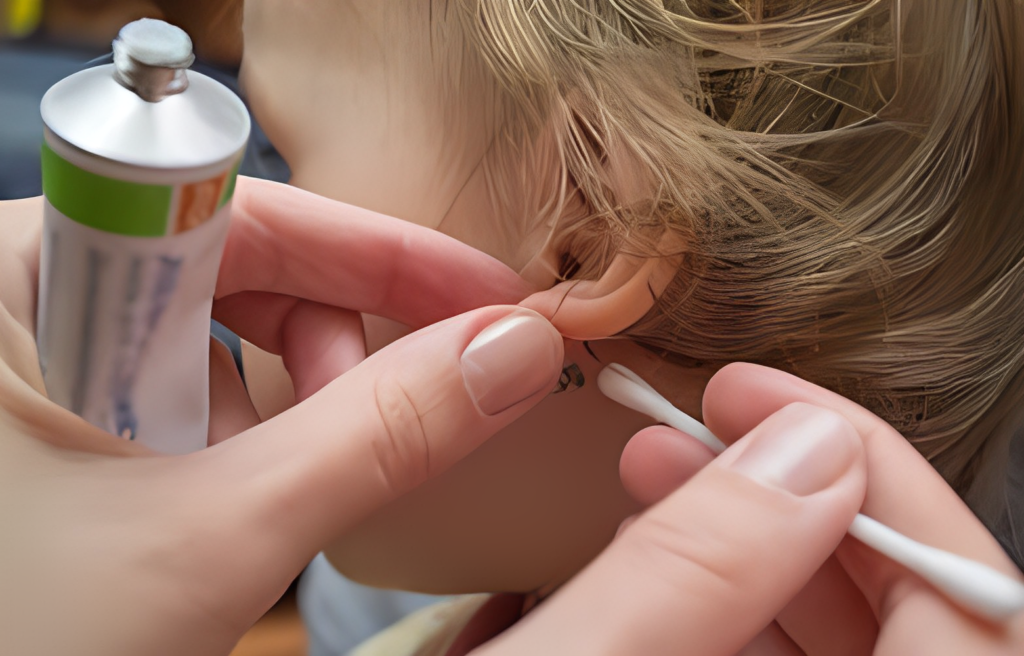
(391, 128)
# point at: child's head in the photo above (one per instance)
(843, 184)
(832, 188)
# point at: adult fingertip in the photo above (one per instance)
(801, 449)
(659, 459)
(511, 360)
(725, 376)
(732, 547)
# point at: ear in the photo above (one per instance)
(595, 309)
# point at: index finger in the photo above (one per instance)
(928, 510)
(291, 242)
(904, 492)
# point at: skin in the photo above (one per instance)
(180, 555)
(381, 136)
(173, 555)
(857, 602)
(442, 538)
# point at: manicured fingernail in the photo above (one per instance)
(802, 449)
(511, 360)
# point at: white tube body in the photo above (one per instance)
(124, 325)
(138, 198)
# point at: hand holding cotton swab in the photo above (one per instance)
(973, 586)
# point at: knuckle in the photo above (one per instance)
(401, 447)
(690, 556)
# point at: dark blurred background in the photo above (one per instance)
(43, 41)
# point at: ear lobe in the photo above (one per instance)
(596, 309)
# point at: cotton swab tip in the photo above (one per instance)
(626, 388)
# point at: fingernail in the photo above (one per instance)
(511, 360)
(802, 449)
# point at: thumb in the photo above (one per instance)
(705, 570)
(397, 419)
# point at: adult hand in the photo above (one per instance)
(294, 281)
(109, 549)
(749, 539)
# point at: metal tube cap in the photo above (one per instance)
(150, 58)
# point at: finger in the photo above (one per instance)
(291, 242)
(904, 492)
(317, 342)
(773, 641)
(21, 223)
(21, 226)
(915, 618)
(657, 460)
(231, 411)
(707, 569)
(256, 317)
(742, 395)
(830, 613)
(320, 343)
(400, 417)
(267, 381)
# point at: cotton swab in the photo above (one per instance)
(973, 586)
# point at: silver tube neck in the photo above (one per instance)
(151, 58)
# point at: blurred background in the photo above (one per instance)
(43, 41)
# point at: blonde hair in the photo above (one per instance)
(845, 179)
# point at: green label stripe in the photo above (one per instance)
(229, 187)
(124, 208)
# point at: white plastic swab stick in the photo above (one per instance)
(975, 587)
(970, 584)
(625, 387)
